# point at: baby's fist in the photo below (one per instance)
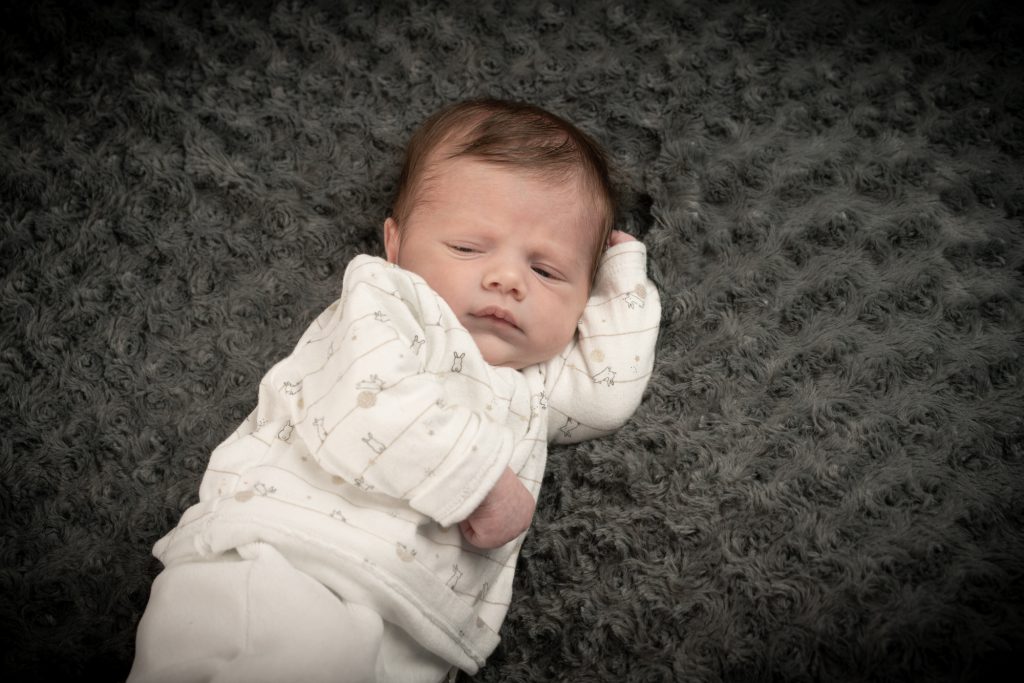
(503, 515)
(619, 237)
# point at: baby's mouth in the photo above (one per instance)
(499, 316)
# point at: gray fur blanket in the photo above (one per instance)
(824, 481)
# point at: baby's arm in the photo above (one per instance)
(594, 386)
(369, 397)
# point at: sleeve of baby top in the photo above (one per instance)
(365, 392)
(596, 384)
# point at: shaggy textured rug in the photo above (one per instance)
(824, 481)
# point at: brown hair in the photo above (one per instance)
(513, 133)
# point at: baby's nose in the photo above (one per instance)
(506, 279)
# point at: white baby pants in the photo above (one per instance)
(251, 616)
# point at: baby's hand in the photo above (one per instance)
(619, 237)
(505, 513)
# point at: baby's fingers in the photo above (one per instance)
(619, 237)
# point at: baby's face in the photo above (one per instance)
(508, 251)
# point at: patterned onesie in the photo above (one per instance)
(385, 427)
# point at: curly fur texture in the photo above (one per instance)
(825, 479)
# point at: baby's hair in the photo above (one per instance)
(508, 133)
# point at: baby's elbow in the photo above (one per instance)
(599, 420)
(615, 416)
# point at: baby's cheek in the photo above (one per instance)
(562, 332)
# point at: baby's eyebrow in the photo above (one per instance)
(568, 264)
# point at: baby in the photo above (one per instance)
(363, 523)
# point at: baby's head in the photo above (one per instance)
(504, 209)
(518, 136)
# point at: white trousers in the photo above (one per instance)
(251, 616)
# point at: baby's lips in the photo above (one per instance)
(497, 312)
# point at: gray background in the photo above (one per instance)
(824, 480)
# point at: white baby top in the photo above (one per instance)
(385, 427)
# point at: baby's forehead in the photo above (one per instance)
(573, 183)
(571, 192)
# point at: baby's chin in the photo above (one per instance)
(500, 354)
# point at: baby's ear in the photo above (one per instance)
(391, 239)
